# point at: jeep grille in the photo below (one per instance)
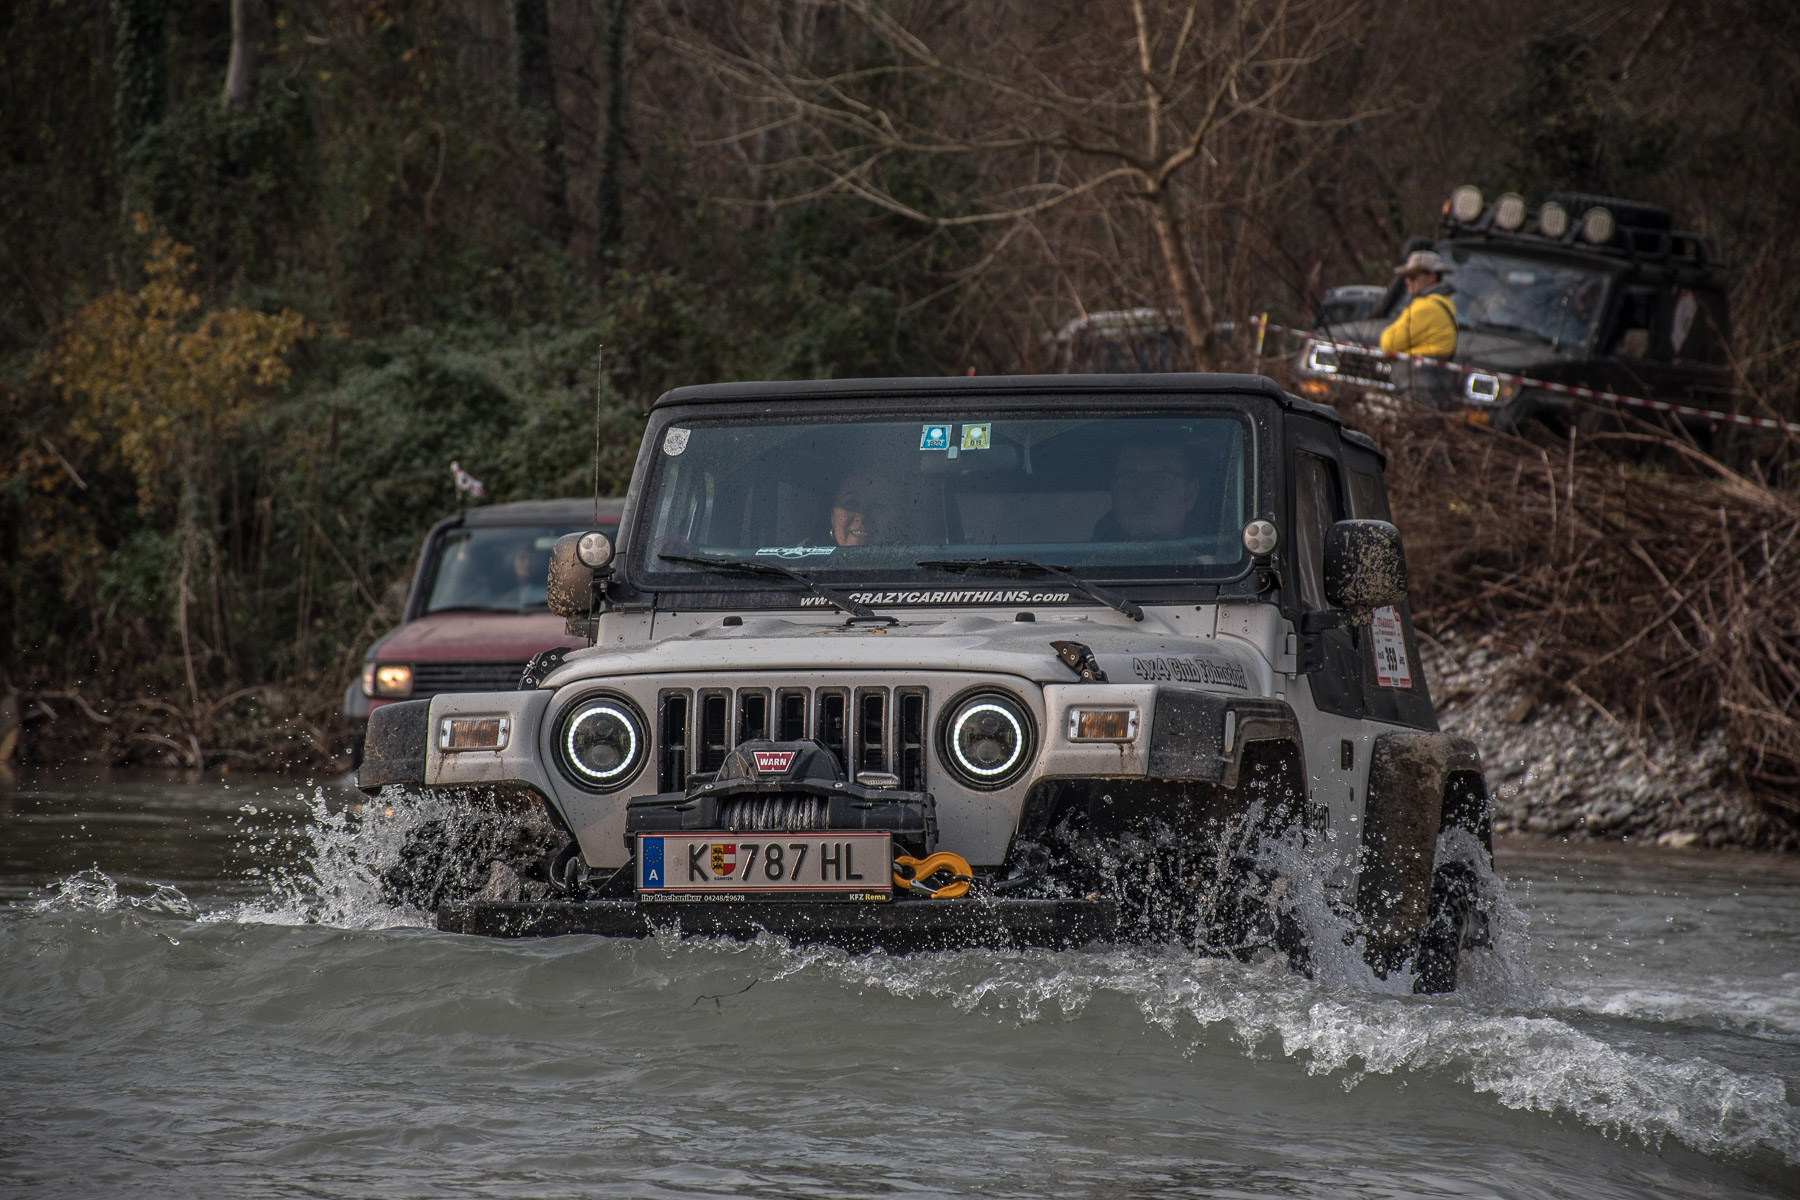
(1365, 369)
(868, 728)
(436, 678)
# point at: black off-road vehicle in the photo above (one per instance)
(1587, 291)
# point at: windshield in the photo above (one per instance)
(502, 568)
(1556, 303)
(855, 501)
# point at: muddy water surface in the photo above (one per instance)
(202, 994)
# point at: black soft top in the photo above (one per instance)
(1163, 384)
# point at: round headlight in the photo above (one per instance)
(987, 739)
(602, 743)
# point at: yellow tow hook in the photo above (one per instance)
(952, 869)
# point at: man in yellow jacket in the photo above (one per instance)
(1427, 325)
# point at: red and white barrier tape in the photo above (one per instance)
(1686, 410)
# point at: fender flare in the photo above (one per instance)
(1415, 779)
(1200, 736)
(394, 749)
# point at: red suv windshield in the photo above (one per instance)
(494, 569)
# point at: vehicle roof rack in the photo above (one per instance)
(1576, 220)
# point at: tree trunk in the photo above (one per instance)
(612, 203)
(139, 69)
(242, 67)
(1196, 305)
(537, 101)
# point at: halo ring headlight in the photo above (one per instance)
(987, 739)
(601, 742)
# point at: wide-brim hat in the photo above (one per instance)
(1421, 262)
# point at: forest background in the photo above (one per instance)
(272, 265)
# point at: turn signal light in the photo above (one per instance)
(1103, 724)
(472, 733)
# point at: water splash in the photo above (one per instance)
(94, 891)
(388, 862)
(1530, 1061)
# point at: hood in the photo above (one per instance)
(473, 637)
(1480, 347)
(1141, 653)
(1515, 355)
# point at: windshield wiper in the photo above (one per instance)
(1076, 583)
(751, 567)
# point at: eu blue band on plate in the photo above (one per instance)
(650, 856)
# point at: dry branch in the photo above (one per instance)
(1652, 577)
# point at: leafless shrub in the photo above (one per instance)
(1638, 576)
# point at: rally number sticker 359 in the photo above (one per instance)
(722, 866)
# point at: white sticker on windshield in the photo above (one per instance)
(793, 551)
(675, 441)
(1392, 668)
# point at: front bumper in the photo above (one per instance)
(897, 927)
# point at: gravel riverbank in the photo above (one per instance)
(1565, 770)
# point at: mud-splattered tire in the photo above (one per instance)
(1455, 921)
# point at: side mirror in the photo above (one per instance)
(1365, 566)
(575, 559)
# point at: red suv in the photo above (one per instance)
(477, 611)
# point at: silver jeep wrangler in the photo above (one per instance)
(938, 662)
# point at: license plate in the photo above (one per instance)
(768, 866)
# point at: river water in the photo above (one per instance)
(200, 994)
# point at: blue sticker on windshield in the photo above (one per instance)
(935, 437)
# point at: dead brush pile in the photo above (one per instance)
(1626, 573)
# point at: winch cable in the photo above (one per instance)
(923, 870)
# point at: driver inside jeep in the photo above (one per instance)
(862, 510)
(1153, 495)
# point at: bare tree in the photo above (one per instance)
(241, 69)
(1043, 104)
